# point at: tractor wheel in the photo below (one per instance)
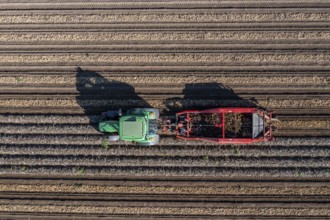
(112, 114)
(145, 144)
(155, 142)
(275, 119)
(113, 138)
(154, 110)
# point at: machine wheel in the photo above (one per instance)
(112, 114)
(155, 142)
(154, 110)
(145, 144)
(113, 138)
(275, 119)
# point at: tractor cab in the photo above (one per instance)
(132, 128)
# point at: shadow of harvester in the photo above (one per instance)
(98, 94)
(202, 96)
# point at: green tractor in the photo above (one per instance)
(137, 125)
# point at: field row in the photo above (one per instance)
(197, 90)
(107, 79)
(164, 104)
(165, 47)
(138, 59)
(165, 200)
(154, 5)
(163, 16)
(167, 161)
(160, 211)
(275, 171)
(163, 150)
(183, 190)
(49, 119)
(156, 36)
(185, 69)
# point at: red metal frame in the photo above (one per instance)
(267, 118)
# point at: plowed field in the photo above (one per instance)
(63, 63)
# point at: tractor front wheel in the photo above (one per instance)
(113, 138)
(151, 143)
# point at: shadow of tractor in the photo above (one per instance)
(98, 94)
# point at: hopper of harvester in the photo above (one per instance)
(225, 125)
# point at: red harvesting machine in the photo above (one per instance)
(225, 125)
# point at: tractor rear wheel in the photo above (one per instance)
(111, 114)
(138, 110)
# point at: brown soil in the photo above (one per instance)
(154, 36)
(264, 211)
(168, 190)
(165, 79)
(172, 17)
(280, 103)
(165, 58)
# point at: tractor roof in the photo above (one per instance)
(132, 127)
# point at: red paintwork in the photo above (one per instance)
(267, 118)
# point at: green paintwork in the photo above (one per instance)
(132, 128)
(109, 126)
